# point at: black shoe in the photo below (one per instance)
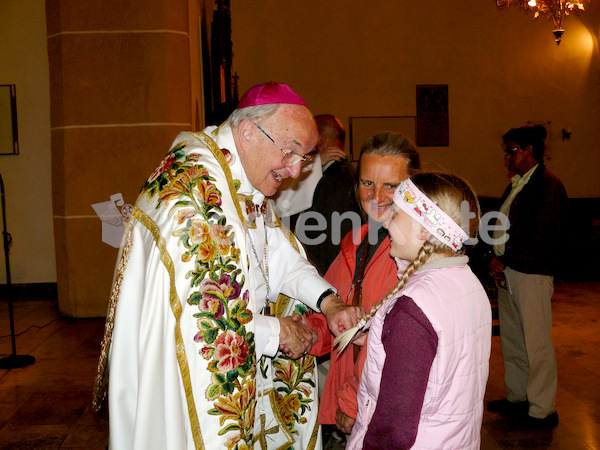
(507, 407)
(532, 423)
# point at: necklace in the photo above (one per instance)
(263, 266)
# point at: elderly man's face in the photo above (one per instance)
(293, 129)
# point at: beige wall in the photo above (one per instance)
(502, 70)
(27, 177)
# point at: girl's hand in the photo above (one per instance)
(360, 338)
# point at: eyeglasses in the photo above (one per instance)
(290, 158)
(511, 150)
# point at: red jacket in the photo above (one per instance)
(380, 278)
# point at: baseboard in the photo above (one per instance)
(30, 291)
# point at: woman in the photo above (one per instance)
(386, 159)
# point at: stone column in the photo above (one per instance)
(124, 80)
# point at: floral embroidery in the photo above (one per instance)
(240, 408)
(230, 351)
(162, 167)
(293, 396)
(184, 214)
(229, 157)
(221, 301)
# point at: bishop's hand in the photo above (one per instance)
(296, 337)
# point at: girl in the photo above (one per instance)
(429, 342)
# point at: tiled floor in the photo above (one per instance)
(47, 405)
(576, 315)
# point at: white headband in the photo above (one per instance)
(419, 207)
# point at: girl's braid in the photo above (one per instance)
(344, 339)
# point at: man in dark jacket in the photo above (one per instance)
(333, 197)
(523, 266)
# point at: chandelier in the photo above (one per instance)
(556, 10)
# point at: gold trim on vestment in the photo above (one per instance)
(291, 237)
(279, 308)
(101, 381)
(218, 154)
(282, 425)
(177, 311)
(315, 434)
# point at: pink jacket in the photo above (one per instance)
(456, 305)
(380, 278)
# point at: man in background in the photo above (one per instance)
(523, 266)
(318, 225)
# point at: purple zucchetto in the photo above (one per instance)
(270, 94)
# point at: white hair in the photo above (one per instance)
(251, 113)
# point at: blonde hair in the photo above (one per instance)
(448, 192)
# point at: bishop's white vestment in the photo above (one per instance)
(184, 344)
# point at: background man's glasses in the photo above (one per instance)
(511, 150)
(290, 158)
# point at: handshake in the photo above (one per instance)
(296, 338)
